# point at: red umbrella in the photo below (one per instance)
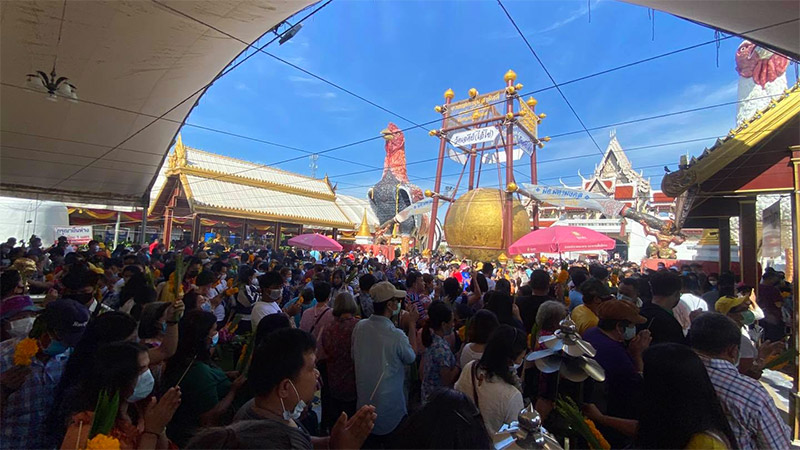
(315, 241)
(557, 239)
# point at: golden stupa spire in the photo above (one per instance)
(363, 230)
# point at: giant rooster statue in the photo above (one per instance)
(394, 193)
(762, 77)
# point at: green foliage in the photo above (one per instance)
(105, 414)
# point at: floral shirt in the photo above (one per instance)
(335, 340)
(435, 358)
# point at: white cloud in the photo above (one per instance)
(328, 95)
(302, 79)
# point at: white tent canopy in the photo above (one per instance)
(741, 17)
(131, 62)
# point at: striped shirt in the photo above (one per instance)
(23, 420)
(752, 414)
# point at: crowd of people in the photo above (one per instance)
(258, 347)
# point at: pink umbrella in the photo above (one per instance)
(557, 239)
(315, 241)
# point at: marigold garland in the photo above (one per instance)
(614, 279)
(103, 442)
(563, 277)
(24, 352)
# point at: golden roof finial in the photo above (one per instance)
(363, 230)
(510, 76)
(531, 102)
(178, 157)
(449, 94)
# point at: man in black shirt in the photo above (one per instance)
(529, 304)
(666, 288)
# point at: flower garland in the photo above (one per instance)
(103, 442)
(24, 352)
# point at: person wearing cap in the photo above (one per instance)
(380, 353)
(17, 311)
(27, 391)
(623, 366)
(751, 359)
(594, 293)
(664, 327)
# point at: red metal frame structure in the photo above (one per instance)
(478, 112)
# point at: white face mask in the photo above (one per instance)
(298, 408)
(629, 333)
(515, 366)
(144, 386)
(275, 294)
(21, 327)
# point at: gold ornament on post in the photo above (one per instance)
(511, 187)
(518, 86)
(449, 94)
(438, 108)
(510, 76)
(428, 193)
(519, 259)
(432, 133)
(531, 102)
(472, 92)
(510, 116)
(510, 90)
(542, 115)
(546, 139)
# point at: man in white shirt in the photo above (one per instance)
(271, 284)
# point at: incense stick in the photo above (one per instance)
(185, 371)
(377, 385)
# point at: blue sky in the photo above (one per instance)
(404, 54)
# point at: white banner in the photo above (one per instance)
(77, 235)
(573, 198)
(472, 137)
(420, 207)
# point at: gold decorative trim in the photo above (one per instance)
(252, 182)
(245, 214)
(764, 123)
(256, 166)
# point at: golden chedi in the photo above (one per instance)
(473, 226)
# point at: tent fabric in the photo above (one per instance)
(131, 63)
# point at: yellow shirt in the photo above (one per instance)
(705, 441)
(584, 318)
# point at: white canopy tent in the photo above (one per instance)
(131, 62)
(741, 17)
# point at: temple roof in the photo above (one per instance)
(225, 186)
(758, 131)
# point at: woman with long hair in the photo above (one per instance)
(504, 308)
(681, 410)
(335, 343)
(439, 367)
(122, 368)
(480, 327)
(448, 420)
(207, 391)
(492, 381)
(136, 293)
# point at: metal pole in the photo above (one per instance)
(472, 157)
(508, 215)
(116, 231)
(143, 234)
(437, 185)
(794, 403)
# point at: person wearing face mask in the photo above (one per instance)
(438, 361)
(629, 291)
(623, 366)
(17, 312)
(283, 377)
(27, 392)
(492, 382)
(751, 412)
(208, 391)
(664, 327)
(122, 368)
(751, 359)
(380, 353)
(271, 285)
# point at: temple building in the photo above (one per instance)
(615, 178)
(202, 195)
